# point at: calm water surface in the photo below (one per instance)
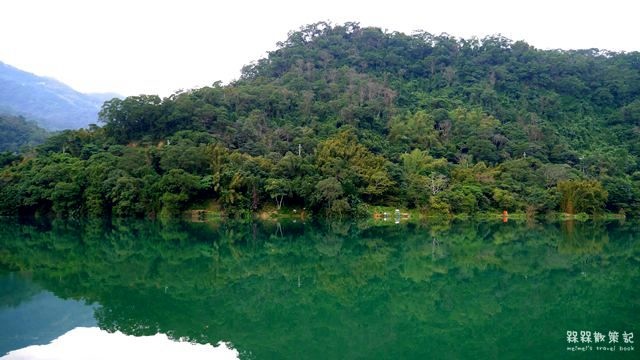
(334, 291)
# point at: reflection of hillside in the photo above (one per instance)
(14, 290)
(405, 291)
(35, 316)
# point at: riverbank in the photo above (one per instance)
(211, 211)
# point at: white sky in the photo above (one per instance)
(157, 47)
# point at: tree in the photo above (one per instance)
(437, 183)
(329, 190)
(631, 113)
(132, 117)
(352, 165)
(424, 176)
(278, 189)
(414, 131)
(67, 199)
(582, 196)
(177, 187)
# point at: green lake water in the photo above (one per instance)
(333, 291)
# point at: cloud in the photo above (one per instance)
(93, 343)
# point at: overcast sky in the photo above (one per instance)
(157, 47)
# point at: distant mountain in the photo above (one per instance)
(52, 104)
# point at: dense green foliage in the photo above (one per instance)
(16, 132)
(343, 291)
(342, 117)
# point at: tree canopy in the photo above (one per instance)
(339, 117)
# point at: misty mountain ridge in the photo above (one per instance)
(51, 103)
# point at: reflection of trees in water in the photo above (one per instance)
(374, 288)
(582, 238)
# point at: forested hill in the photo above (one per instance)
(16, 132)
(340, 118)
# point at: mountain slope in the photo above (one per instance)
(16, 132)
(342, 118)
(54, 105)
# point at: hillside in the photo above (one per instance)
(16, 132)
(54, 105)
(339, 119)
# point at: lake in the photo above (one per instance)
(480, 290)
